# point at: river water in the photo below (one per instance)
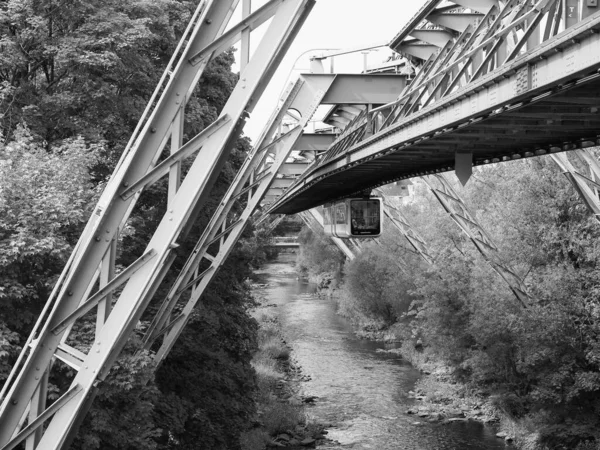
(361, 392)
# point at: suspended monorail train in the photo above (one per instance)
(353, 218)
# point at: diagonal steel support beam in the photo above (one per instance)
(395, 216)
(228, 39)
(304, 97)
(458, 211)
(190, 147)
(586, 185)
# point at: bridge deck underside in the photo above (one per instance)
(565, 119)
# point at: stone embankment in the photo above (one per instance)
(305, 434)
(441, 399)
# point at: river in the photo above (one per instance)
(360, 391)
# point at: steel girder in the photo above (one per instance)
(246, 192)
(397, 218)
(272, 225)
(23, 413)
(468, 223)
(586, 185)
(520, 57)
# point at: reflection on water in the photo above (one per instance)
(361, 392)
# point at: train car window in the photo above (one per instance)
(365, 217)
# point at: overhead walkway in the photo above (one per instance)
(286, 242)
(519, 80)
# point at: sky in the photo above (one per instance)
(332, 24)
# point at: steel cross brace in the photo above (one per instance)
(272, 225)
(468, 223)
(480, 51)
(464, 59)
(159, 122)
(318, 218)
(586, 185)
(394, 215)
(225, 228)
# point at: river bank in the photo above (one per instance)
(442, 397)
(360, 392)
(282, 420)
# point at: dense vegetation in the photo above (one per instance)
(538, 366)
(319, 259)
(74, 79)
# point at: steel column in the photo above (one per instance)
(263, 166)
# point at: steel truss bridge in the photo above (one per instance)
(493, 81)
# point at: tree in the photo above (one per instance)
(540, 363)
(74, 79)
(45, 199)
(83, 68)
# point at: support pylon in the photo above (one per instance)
(227, 224)
(396, 217)
(468, 223)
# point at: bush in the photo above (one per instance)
(375, 287)
(318, 255)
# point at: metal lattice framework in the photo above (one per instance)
(393, 213)
(258, 175)
(496, 81)
(586, 185)
(490, 74)
(24, 413)
(468, 223)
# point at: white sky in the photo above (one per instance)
(333, 24)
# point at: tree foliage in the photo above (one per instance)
(318, 255)
(75, 77)
(45, 198)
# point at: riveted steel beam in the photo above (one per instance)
(418, 49)
(314, 142)
(305, 99)
(439, 38)
(362, 88)
(586, 184)
(456, 22)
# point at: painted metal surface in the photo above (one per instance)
(248, 190)
(575, 165)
